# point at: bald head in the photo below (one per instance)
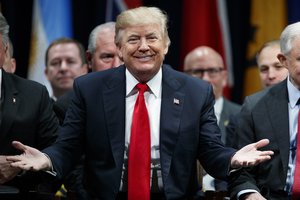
(203, 54)
(207, 64)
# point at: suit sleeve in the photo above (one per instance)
(212, 151)
(47, 121)
(67, 150)
(244, 178)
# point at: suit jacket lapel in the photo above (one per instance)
(171, 109)
(10, 104)
(114, 108)
(277, 108)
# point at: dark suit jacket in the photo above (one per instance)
(229, 108)
(61, 106)
(265, 115)
(26, 116)
(96, 121)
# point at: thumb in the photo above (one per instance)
(18, 145)
(261, 143)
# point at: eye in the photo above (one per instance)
(133, 40)
(107, 57)
(264, 69)
(55, 63)
(71, 61)
(279, 67)
(152, 38)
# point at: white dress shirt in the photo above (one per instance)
(218, 107)
(153, 104)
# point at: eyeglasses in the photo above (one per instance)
(211, 72)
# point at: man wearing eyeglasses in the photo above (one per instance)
(207, 64)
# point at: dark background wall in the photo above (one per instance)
(89, 13)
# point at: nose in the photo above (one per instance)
(143, 45)
(63, 65)
(206, 76)
(272, 73)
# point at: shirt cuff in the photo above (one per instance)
(248, 191)
(51, 171)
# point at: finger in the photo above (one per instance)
(261, 143)
(13, 158)
(19, 145)
(267, 153)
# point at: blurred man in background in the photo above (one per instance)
(205, 63)
(271, 71)
(65, 60)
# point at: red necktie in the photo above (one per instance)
(296, 184)
(139, 150)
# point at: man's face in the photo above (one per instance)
(106, 53)
(143, 50)
(271, 70)
(64, 65)
(209, 68)
(292, 62)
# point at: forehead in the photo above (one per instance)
(273, 49)
(63, 49)
(143, 30)
(201, 59)
(296, 44)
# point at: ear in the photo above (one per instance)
(46, 72)
(85, 68)
(166, 49)
(282, 59)
(225, 77)
(89, 56)
(120, 54)
(13, 65)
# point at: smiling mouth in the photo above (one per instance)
(144, 58)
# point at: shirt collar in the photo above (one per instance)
(293, 92)
(154, 84)
(219, 105)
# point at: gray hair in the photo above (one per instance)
(96, 31)
(4, 30)
(142, 16)
(287, 36)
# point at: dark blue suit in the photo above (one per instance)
(95, 122)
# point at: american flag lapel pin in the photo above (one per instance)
(176, 101)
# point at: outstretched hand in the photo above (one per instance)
(249, 155)
(31, 159)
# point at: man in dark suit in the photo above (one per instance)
(182, 125)
(26, 115)
(205, 63)
(273, 114)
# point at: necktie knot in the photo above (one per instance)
(142, 87)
